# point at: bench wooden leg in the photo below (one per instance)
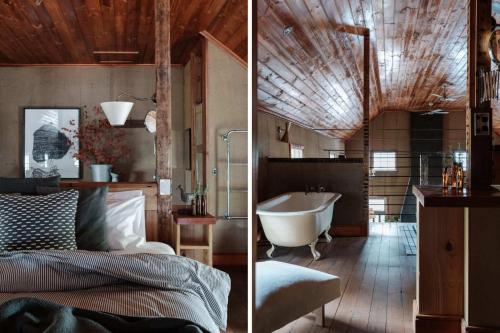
(319, 313)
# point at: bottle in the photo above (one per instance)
(198, 205)
(193, 206)
(454, 176)
(445, 177)
(203, 205)
(460, 178)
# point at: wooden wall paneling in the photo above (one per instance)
(69, 31)
(204, 95)
(163, 114)
(416, 47)
(440, 268)
(366, 130)
(303, 60)
(479, 147)
(194, 93)
(482, 292)
(254, 181)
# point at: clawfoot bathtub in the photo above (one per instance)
(297, 219)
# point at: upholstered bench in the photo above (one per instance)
(286, 292)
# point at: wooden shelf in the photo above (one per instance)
(194, 219)
(205, 244)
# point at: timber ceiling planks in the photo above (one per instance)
(71, 31)
(313, 75)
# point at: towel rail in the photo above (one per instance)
(227, 139)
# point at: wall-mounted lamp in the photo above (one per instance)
(117, 111)
(284, 133)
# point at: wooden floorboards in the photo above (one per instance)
(238, 304)
(377, 282)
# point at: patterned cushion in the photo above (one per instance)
(38, 222)
(91, 231)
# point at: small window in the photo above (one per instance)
(460, 157)
(332, 154)
(384, 161)
(296, 151)
(377, 205)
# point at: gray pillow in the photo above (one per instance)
(38, 222)
(91, 231)
(26, 185)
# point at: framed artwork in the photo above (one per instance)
(48, 146)
(187, 149)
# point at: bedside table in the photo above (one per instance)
(204, 245)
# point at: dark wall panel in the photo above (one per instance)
(344, 177)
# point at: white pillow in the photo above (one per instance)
(123, 195)
(126, 223)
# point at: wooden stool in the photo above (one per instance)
(205, 245)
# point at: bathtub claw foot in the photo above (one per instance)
(316, 254)
(328, 237)
(270, 251)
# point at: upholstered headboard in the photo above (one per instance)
(149, 190)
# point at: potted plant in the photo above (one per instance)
(101, 145)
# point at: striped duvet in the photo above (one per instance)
(138, 285)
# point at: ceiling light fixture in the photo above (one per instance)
(117, 111)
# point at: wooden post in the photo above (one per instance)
(366, 129)
(479, 146)
(163, 115)
(255, 154)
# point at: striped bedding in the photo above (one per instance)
(137, 285)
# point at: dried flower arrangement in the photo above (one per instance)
(100, 143)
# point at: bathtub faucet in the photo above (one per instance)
(310, 189)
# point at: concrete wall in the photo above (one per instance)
(86, 87)
(226, 110)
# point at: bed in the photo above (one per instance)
(141, 287)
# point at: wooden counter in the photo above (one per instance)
(457, 270)
(436, 196)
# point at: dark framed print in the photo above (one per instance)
(187, 149)
(49, 146)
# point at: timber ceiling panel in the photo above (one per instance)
(314, 74)
(86, 31)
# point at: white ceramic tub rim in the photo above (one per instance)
(285, 196)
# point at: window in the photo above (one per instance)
(296, 151)
(460, 157)
(377, 205)
(384, 161)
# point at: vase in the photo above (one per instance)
(101, 172)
